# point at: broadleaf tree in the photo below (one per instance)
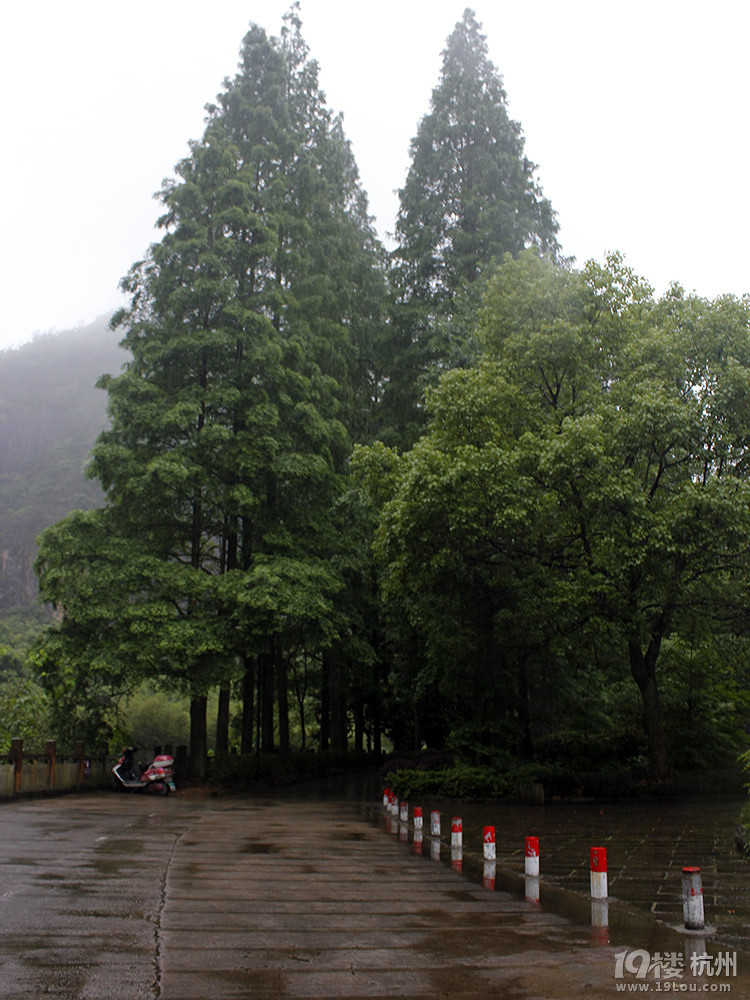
(584, 487)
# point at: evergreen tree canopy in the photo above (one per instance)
(249, 325)
(470, 197)
(470, 194)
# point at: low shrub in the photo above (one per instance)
(242, 770)
(459, 781)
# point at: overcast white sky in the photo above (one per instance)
(634, 112)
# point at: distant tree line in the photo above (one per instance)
(459, 494)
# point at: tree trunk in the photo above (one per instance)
(248, 700)
(524, 711)
(359, 724)
(265, 667)
(282, 689)
(338, 712)
(643, 669)
(325, 706)
(198, 738)
(222, 721)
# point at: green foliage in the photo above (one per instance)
(470, 194)
(744, 760)
(20, 628)
(581, 493)
(24, 713)
(154, 718)
(250, 325)
(559, 565)
(470, 197)
(457, 782)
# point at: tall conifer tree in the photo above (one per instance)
(247, 324)
(470, 196)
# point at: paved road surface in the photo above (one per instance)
(106, 897)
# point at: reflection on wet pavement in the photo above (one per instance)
(648, 842)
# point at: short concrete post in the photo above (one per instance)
(418, 818)
(103, 769)
(50, 753)
(531, 886)
(386, 797)
(598, 873)
(532, 857)
(404, 812)
(457, 832)
(181, 763)
(600, 921)
(692, 899)
(435, 823)
(394, 804)
(16, 755)
(457, 857)
(488, 875)
(489, 843)
(79, 757)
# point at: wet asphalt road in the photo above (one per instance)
(106, 897)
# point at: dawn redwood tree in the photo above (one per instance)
(471, 196)
(231, 426)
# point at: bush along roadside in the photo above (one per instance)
(535, 783)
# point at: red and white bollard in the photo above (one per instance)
(457, 843)
(387, 797)
(393, 804)
(692, 899)
(417, 842)
(457, 832)
(418, 818)
(531, 885)
(532, 857)
(598, 873)
(489, 843)
(489, 873)
(435, 823)
(457, 858)
(404, 812)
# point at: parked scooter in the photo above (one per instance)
(156, 777)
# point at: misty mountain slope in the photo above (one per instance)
(50, 415)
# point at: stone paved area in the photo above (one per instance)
(106, 897)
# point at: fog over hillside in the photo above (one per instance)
(50, 415)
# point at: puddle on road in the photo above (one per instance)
(259, 847)
(120, 845)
